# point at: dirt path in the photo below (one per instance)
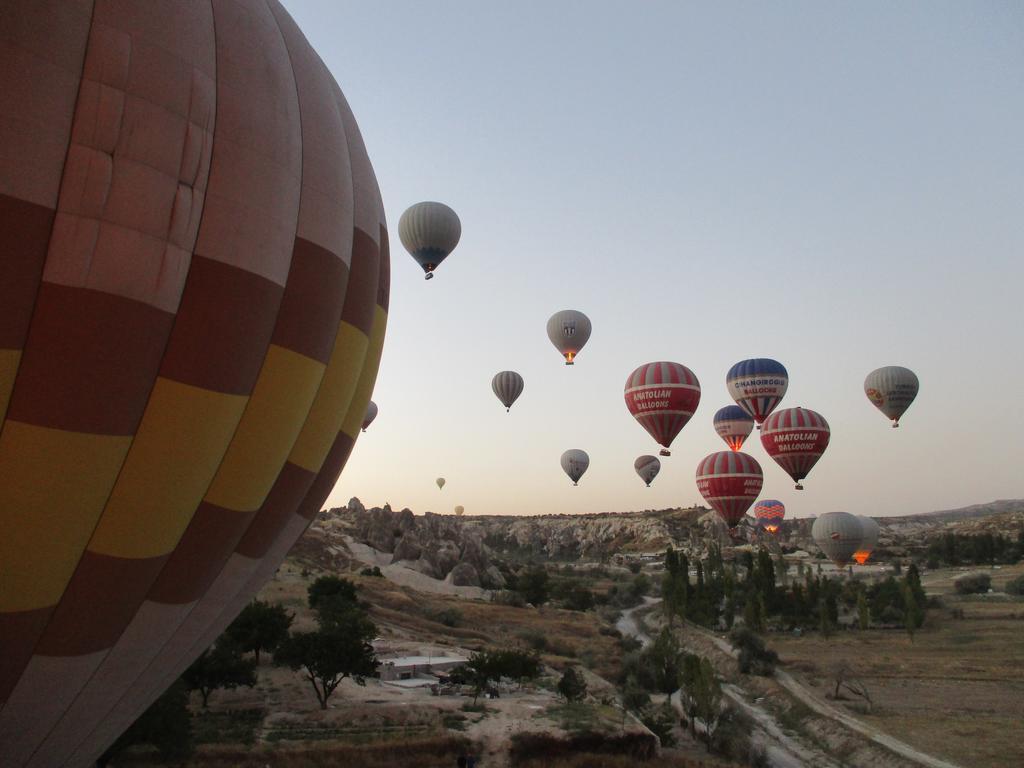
(628, 625)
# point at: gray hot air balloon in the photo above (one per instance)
(648, 468)
(839, 535)
(569, 331)
(429, 231)
(508, 386)
(371, 414)
(440, 482)
(459, 510)
(575, 463)
(891, 390)
(869, 538)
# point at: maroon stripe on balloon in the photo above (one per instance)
(384, 278)
(26, 227)
(88, 618)
(89, 362)
(223, 328)
(289, 490)
(19, 631)
(363, 281)
(328, 476)
(312, 303)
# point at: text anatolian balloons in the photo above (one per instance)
(371, 414)
(838, 534)
(733, 425)
(891, 390)
(795, 438)
(575, 463)
(757, 386)
(569, 331)
(869, 538)
(507, 385)
(729, 481)
(662, 397)
(459, 510)
(769, 514)
(648, 468)
(440, 482)
(429, 231)
(194, 286)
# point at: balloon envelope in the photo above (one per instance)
(440, 482)
(507, 386)
(869, 538)
(194, 298)
(429, 231)
(648, 468)
(729, 481)
(569, 330)
(796, 438)
(757, 386)
(838, 534)
(891, 390)
(662, 397)
(733, 425)
(769, 514)
(371, 414)
(459, 510)
(574, 464)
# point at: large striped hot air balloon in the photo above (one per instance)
(729, 481)
(733, 425)
(429, 231)
(193, 296)
(662, 397)
(569, 331)
(757, 386)
(891, 390)
(648, 468)
(869, 538)
(795, 438)
(574, 464)
(838, 534)
(507, 386)
(769, 514)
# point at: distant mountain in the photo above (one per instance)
(978, 510)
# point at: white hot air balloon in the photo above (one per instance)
(891, 390)
(869, 538)
(569, 331)
(440, 482)
(371, 414)
(575, 463)
(459, 510)
(839, 535)
(508, 386)
(429, 231)
(648, 468)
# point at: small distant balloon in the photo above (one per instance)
(729, 481)
(891, 390)
(371, 414)
(758, 386)
(575, 463)
(440, 482)
(733, 425)
(769, 514)
(648, 468)
(429, 231)
(459, 510)
(839, 535)
(796, 438)
(508, 386)
(869, 539)
(569, 331)
(662, 397)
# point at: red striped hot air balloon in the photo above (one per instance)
(662, 397)
(795, 438)
(193, 298)
(729, 481)
(769, 514)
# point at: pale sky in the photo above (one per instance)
(839, 186)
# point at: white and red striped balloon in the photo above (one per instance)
(729, 481)
(796, 438)
(662, 396)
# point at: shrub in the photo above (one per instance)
(972, 583)
(1015, 586)
(450, 617)
(755, 657)
(534, 639)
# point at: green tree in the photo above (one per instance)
(221, 666)
(166, 725)
(753, 613)
(533, 585)
(825, 618)
(707, 695)
(572, 687)
(260, 627)
(913, 615)
(863, 611)
(664, 659)
(330, 593)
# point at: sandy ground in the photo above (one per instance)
(407, 577)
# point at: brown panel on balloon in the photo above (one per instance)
(362, 282)
(26, 227)
(208, 541)
(384, 277)
(89, 618)
(90, 361)
(19, 631)
(327, 477)
(223, 328)
(313, 298)
(289, 490)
